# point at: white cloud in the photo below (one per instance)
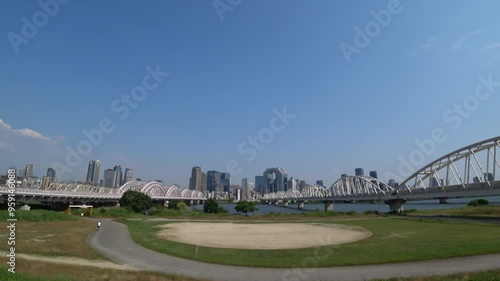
(460, 42)
(5, 126)
(29, 133)
(490, 47)
(428, 44)
(26, 132)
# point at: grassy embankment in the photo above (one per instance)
(393, 240)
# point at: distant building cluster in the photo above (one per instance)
(113, 178)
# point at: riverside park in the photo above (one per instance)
(180, 243)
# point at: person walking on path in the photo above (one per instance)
(98, 225)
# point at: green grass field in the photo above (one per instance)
(393, 240)
(468, 211)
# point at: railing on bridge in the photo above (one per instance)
(153, 188)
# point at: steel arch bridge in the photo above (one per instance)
(158, 190)
(61, 192)
(466, 172)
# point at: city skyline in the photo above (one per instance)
(262, 88)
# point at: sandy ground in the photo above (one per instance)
(262, 236)
(73, 261)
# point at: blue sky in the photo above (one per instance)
(231, 70)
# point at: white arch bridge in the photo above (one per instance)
(69, 193)
(470, 171)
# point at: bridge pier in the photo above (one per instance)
(285, 203)
(301, 205)
(328, 205)
(277, 203)
(395, 205)
(443, 200)
(165, 203)
(191, 202)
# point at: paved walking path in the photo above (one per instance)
(113, 241)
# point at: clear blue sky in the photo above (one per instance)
(227, 76)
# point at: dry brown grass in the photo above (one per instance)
(57, 238)
(87, 273)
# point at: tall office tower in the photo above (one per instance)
(203, 182)
(277, 179)
(392, 183)
(226, 182)
(129, 175)
(302, 185)
(292, 183)
(109, 178)
(214, 183)
(51, 173)
(343, 175)
(22, 172)
(261, 184)
(118, 176)
(373, 174)
(319, 182)
(29, 171)
(359, 172)
(195, 180)
(93, 172)
(244, 187)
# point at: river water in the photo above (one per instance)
(361, 207)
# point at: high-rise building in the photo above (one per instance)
(51, 173)
(359, 172)
(129, 175)
(226, 181)
(29, 171)
(488, 177)
(343, 175)
(302, 185)
(203, 182)
(244, 187)
(118, 176)
(93, 172)
(373, 174)
(319, 182)
(109, 178)
(195, 180)
(218, 182)
(261, 184)
(277, 180)
(293, 184)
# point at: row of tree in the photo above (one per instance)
(140, 202)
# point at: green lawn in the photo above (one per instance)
(393, 240)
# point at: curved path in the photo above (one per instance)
(113, 241)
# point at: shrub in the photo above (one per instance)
(210, 206)
(473, 203)
(483, 201)
(137, 201)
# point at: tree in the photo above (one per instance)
(210, 206)
(177, 205)
(137, 201)
(245, 207)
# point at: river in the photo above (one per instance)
(361, 207)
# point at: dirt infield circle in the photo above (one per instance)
(264, 236)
